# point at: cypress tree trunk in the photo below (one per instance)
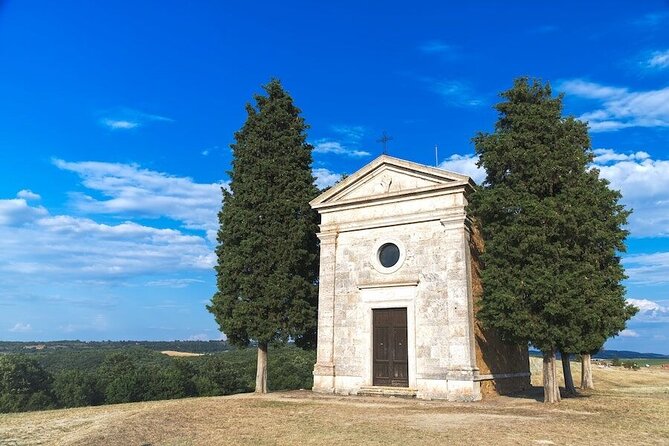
(586, 372)
(566, 371)
(551, 388)
(261, 371)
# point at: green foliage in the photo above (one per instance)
(120, 379)
(552, 228)
(267, 252)
(291, 368)
(137, 374)
(24, 385)
(220, 376)
(74, 388)
(616, 362)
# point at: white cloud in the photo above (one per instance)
(627, 333)
(133, 191)
(454, 93)
(325, 178)
(123, 118)
(604, 156)
(337, 148)
(64, 248)
(119, 124)
(465, 165)
(644, 183)
(658, 60)
(20, 328)
(648, 306)
(28, 195)
(619, 107)
(16, 211)
(49, 247)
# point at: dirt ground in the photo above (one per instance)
(628, 407)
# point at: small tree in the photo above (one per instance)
(268, 251)
(536, 162)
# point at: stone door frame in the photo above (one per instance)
(378, 297)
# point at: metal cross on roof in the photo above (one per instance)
(384, 140)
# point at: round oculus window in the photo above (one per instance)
(389, 255)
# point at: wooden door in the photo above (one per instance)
(391, 366)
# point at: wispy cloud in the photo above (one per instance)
(648, 269)
(653, 19)
(75, 248)
(209, 150)
(436, 47)
(132, 191)
(335, 147)
(97, 323)
(20, 328)
(658, 60)
(620, 108)
(174, 283)
(119, 124)
(454, 93)
(126, 119)
(349, 133)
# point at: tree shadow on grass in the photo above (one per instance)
(536, 393)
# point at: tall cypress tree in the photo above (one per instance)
(548, 249)
(594, 235)
(598, 237)
(267, 247)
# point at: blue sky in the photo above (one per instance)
(116, 120)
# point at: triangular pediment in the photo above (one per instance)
(387, 176)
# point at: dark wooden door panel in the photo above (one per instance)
(391, 366)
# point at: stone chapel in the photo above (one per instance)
(399, 283)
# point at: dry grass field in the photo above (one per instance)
(627, 408)
(179, 354)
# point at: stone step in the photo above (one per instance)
(401, 392)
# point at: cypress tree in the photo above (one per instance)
(267, 247)
(599, 236)
(551, 227)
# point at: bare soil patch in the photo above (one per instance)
(628, 407)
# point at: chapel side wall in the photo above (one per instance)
(494, 357)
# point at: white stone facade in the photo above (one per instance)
(422, 210)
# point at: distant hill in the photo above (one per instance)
(620, 354)
(180, 346)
